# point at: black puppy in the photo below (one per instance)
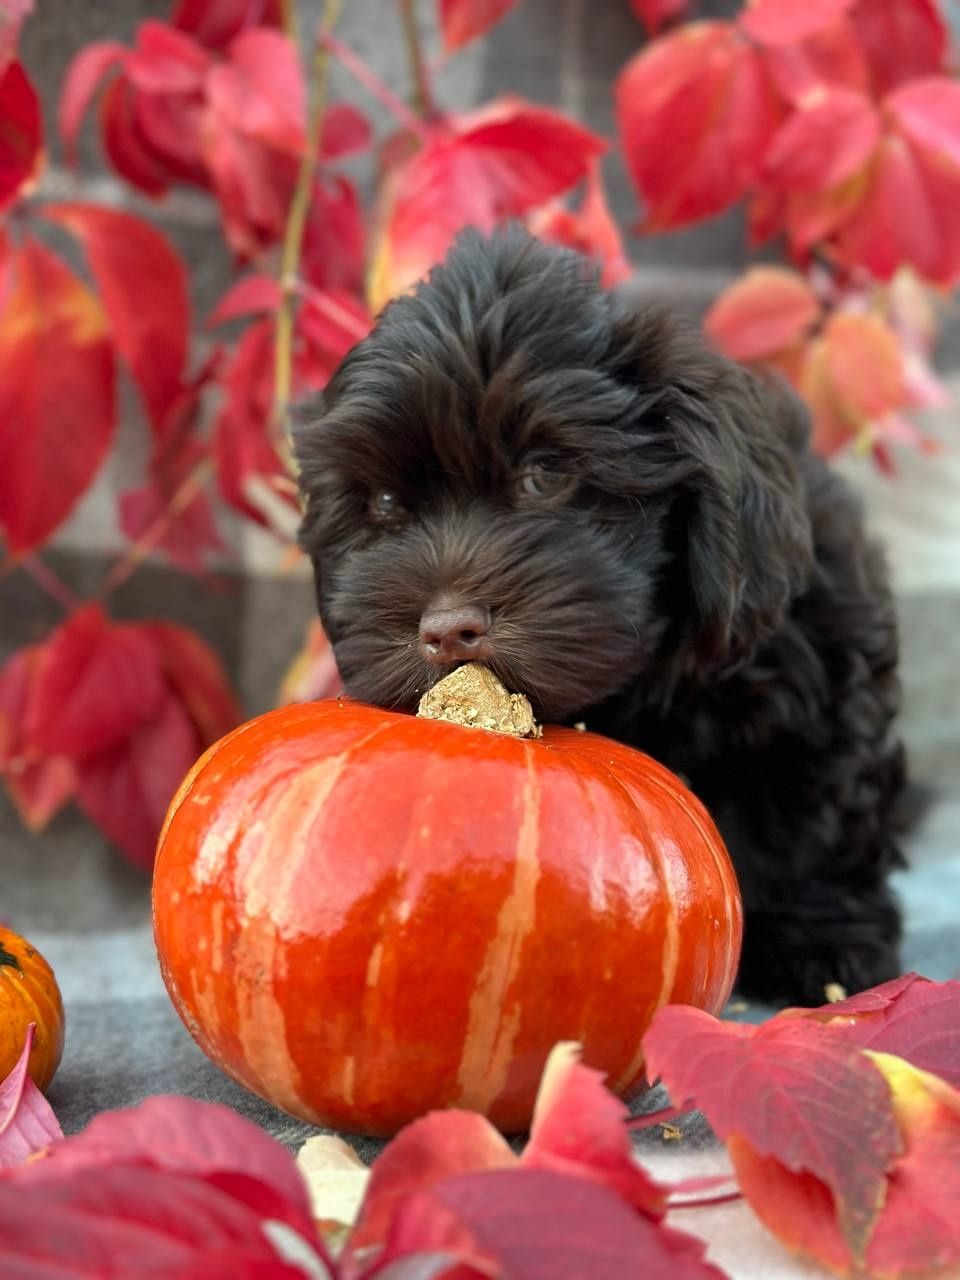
(515, 468)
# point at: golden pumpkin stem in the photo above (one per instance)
(473, 696)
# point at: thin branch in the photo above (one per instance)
(48, 581)
(366, 76)
(293, 239)
(706, 1202)
(422, 93)
(288, 18)
(154, 533)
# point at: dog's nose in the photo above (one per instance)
(454, 634)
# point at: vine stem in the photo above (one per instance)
(364, 75)
(293, 238)
(48, 581)
(422, 93)
(138, 551)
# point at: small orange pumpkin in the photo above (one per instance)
(28, 993)
(363, 916)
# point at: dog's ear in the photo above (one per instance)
(736, 445)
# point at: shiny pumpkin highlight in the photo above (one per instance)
(363, 916)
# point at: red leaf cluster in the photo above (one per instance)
(858, 362)
(216, 100)
(503, 160)
(113, 715)
(847, 1153)
(835, 118)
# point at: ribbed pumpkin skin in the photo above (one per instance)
(28, 993)
(363, 916)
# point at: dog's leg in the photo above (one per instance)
(810, 821)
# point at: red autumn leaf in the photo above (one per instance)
(143, 284)
(543, 1226)
(201, 1140)
(191, 534)
(39, 785)
(83, 78)
(21, 133)
(96, 684)
(823, 142)
(242, 445)
(196, 675)
(657, 14)
(334, 240)
(765, 312)
(901, 39)
(189, 1185)
(253, 295)
(329, 323)
(345, 131)
(779, 22)
(126, 147)
(215, 23)
(910, 212)
(165, 60)
(911, 1017)
(579, 1128)
(477, 169)
(438, 1146)
(12, 14)
(49, 320)
(27, 1122)
(463, 20)
(310, 676)
(590, 230)
(829, 59)
(696, 111)
(259, 91)
(917, 1230)
(791, 1090)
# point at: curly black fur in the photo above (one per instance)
(692, 581)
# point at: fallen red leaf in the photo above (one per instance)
(696, 111)
(657, 14)
(543, 1226)
(579, 1128)
(27, 1123)
(21, 133)
(49, 320)
(779, 22)
(917, 1231)
(590, 230)
(901, 39)
(767, 311)
(790, 1090)
(464, 20)
(39, 785)
(911, 1017)
(189, 1185)
(143, 284)
(477, 169)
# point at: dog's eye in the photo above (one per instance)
(384, 508)
(541, 482)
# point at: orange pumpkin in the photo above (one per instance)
(28, 993)
(363, 916)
